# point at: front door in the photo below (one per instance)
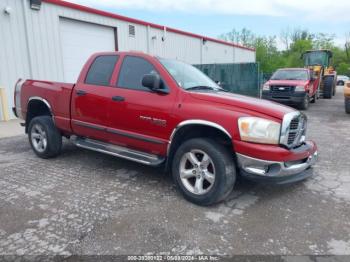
(140, 118)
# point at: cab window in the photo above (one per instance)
(132, 71)
(101, 70)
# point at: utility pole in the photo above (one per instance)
(347, 46)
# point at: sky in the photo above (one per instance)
(214, 17)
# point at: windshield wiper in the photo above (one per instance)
(200, 88)
(205, 88)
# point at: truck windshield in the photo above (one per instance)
(316, 58)
(187, 76)
(290, 75)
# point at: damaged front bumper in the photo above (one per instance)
(274, 171)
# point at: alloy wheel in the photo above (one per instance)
(39, 138)
(197, 172)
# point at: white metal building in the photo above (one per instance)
(51, 40)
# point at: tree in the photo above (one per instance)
(300, 34)
(343, 68)
(285, 36)
(323, 41)
(296, 42)
(244, 37)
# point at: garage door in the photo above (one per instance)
(79, 40)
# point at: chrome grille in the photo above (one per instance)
(282, 88)
(282, 91)
(293, 129)
(294, 124)
(291, 137)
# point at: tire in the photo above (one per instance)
(220, 165)
(44, 137)
(328, 88)
(340, 83)
(347, 105)
(304, 105)
(313, 98)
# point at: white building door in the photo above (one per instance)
(79, 40)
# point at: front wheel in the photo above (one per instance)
(44, 138)
(304, 105)
(314, 98)
(328, 89)
(204, 171)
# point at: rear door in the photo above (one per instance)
(91, 98)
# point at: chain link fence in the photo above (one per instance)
(245, 78)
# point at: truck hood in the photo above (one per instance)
(287, 82)
(248, 103)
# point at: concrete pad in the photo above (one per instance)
(11, 128)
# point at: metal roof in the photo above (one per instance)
(140, 22)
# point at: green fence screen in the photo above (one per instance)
(242, 79)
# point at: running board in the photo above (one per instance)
(118, 151)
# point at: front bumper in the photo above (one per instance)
(275, 171)
(288, 99)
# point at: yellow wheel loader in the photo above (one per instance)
(319, 61)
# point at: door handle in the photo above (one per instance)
(118, 98)
(81, 92)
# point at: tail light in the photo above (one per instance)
(17, 98)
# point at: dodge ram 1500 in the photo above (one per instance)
(158, 111)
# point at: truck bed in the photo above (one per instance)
(56, 94)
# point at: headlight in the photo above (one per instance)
(259, 130)
(266, 87)
(300, 88)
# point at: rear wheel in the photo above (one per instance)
(347, 105)
(328, 87)
(44, 138)
(204, 171)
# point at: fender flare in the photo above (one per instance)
(38, 98)
(195, 122)
(42, 100)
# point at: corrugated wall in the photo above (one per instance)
(30, 43)
(14, 60)
(214, 53)
(244, 56)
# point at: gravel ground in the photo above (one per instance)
(86, 203)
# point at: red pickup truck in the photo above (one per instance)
(292, 86)
(158, 111)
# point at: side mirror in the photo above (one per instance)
(218, 83)
(154, 83)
